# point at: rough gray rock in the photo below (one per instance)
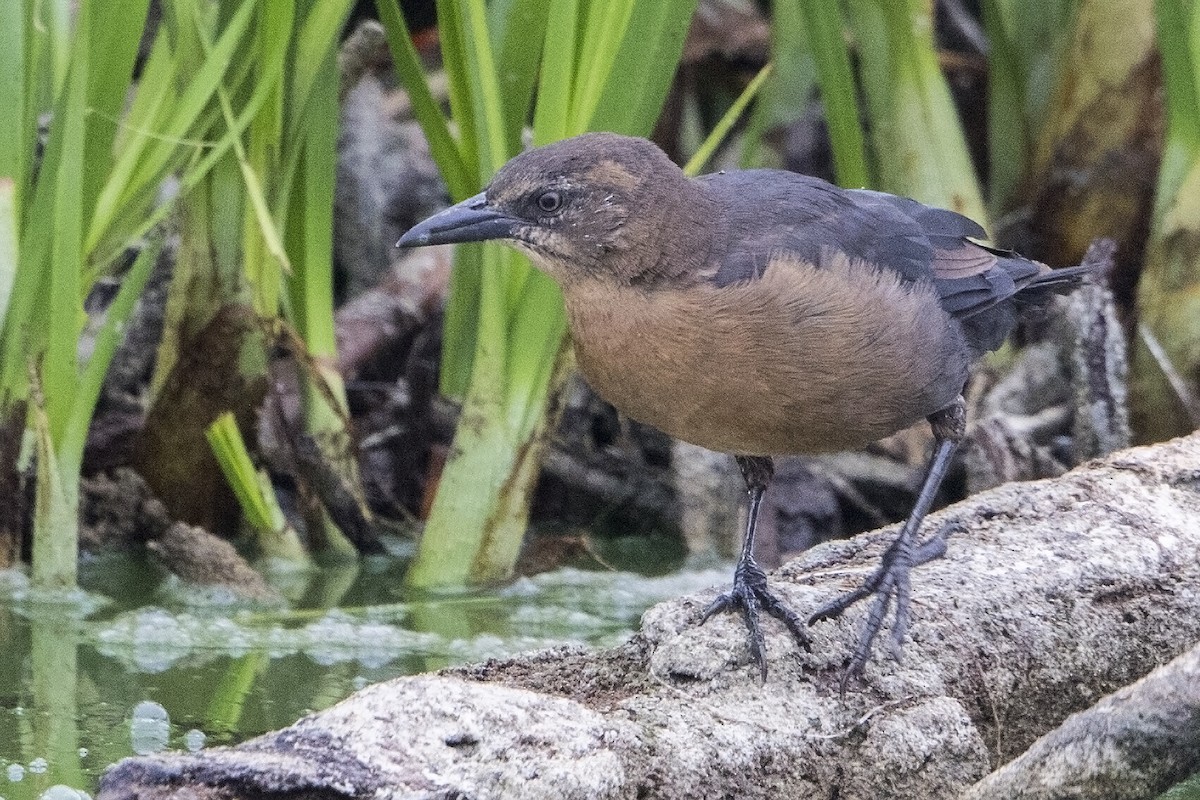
(1057, 593)
(1133, 744)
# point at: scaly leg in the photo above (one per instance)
(892, 579)
(750, 593)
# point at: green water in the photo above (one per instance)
(73, 671)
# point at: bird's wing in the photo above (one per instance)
(772, 213)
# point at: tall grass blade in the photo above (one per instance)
(709, 146)
(108, 338)
(9, 252)
(276, 539)
(16, 147)
(445, 150)
(643, 67)
(553, 108)
(826, 37)
(917, 139)
(516, 23)
(64, 165)
(55, 555)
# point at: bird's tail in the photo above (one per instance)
(1097, 264)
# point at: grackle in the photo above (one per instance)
(762, 313)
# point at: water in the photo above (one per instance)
(136, 664)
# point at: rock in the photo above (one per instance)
(1054, 594)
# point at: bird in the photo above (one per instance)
(763, 313)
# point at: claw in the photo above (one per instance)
(892, 580)
(750, 594)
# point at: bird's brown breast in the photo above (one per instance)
(800, 360)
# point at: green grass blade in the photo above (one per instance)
(63, 307)
(606, 26)
(136, 167)
(794, 75)
(917, 139)
(540, 321)
(461, 321)
(445, 150)
(55, 514)
(485, 91)
(517, 23)
(455, 61)
(267, 226)
(1180, 47)
(1009, 140)
(234, 459)
(1180, 61)
(643, 67)
(724, 125)
(16, 150)
(9, 250)
(108, 338)
(111, 54)
(311, 287)
(550, 119)
(823, 22)
(317, 39)
(1028, 46)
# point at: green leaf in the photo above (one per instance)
(643, 67)
(16, 148)
(550, 121)
(606, 26)
(234, 459)
(715, 137)
(310, 233)
(9, 252)
(115, 38)
(108, 338)
(485, 91)
(823, 23)
(515, 24)
(442, 146)
(63, 309)
(55, 513)
(137, 167)
(1180, 62)
(916, 136)
(312, 51)
(456, 62)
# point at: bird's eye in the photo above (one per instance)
(550, 201)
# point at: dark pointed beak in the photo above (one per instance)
(469, 221)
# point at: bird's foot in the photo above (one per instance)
(890, 580)
(750, 594)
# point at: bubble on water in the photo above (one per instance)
(38, 766)
(149, 728)
(359, 682)
(62, 792)
(16, 773)
(194, 740)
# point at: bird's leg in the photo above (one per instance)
(750, 593)
(892, 577)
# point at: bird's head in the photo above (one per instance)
(577, 207)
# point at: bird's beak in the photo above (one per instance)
(472, 220)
